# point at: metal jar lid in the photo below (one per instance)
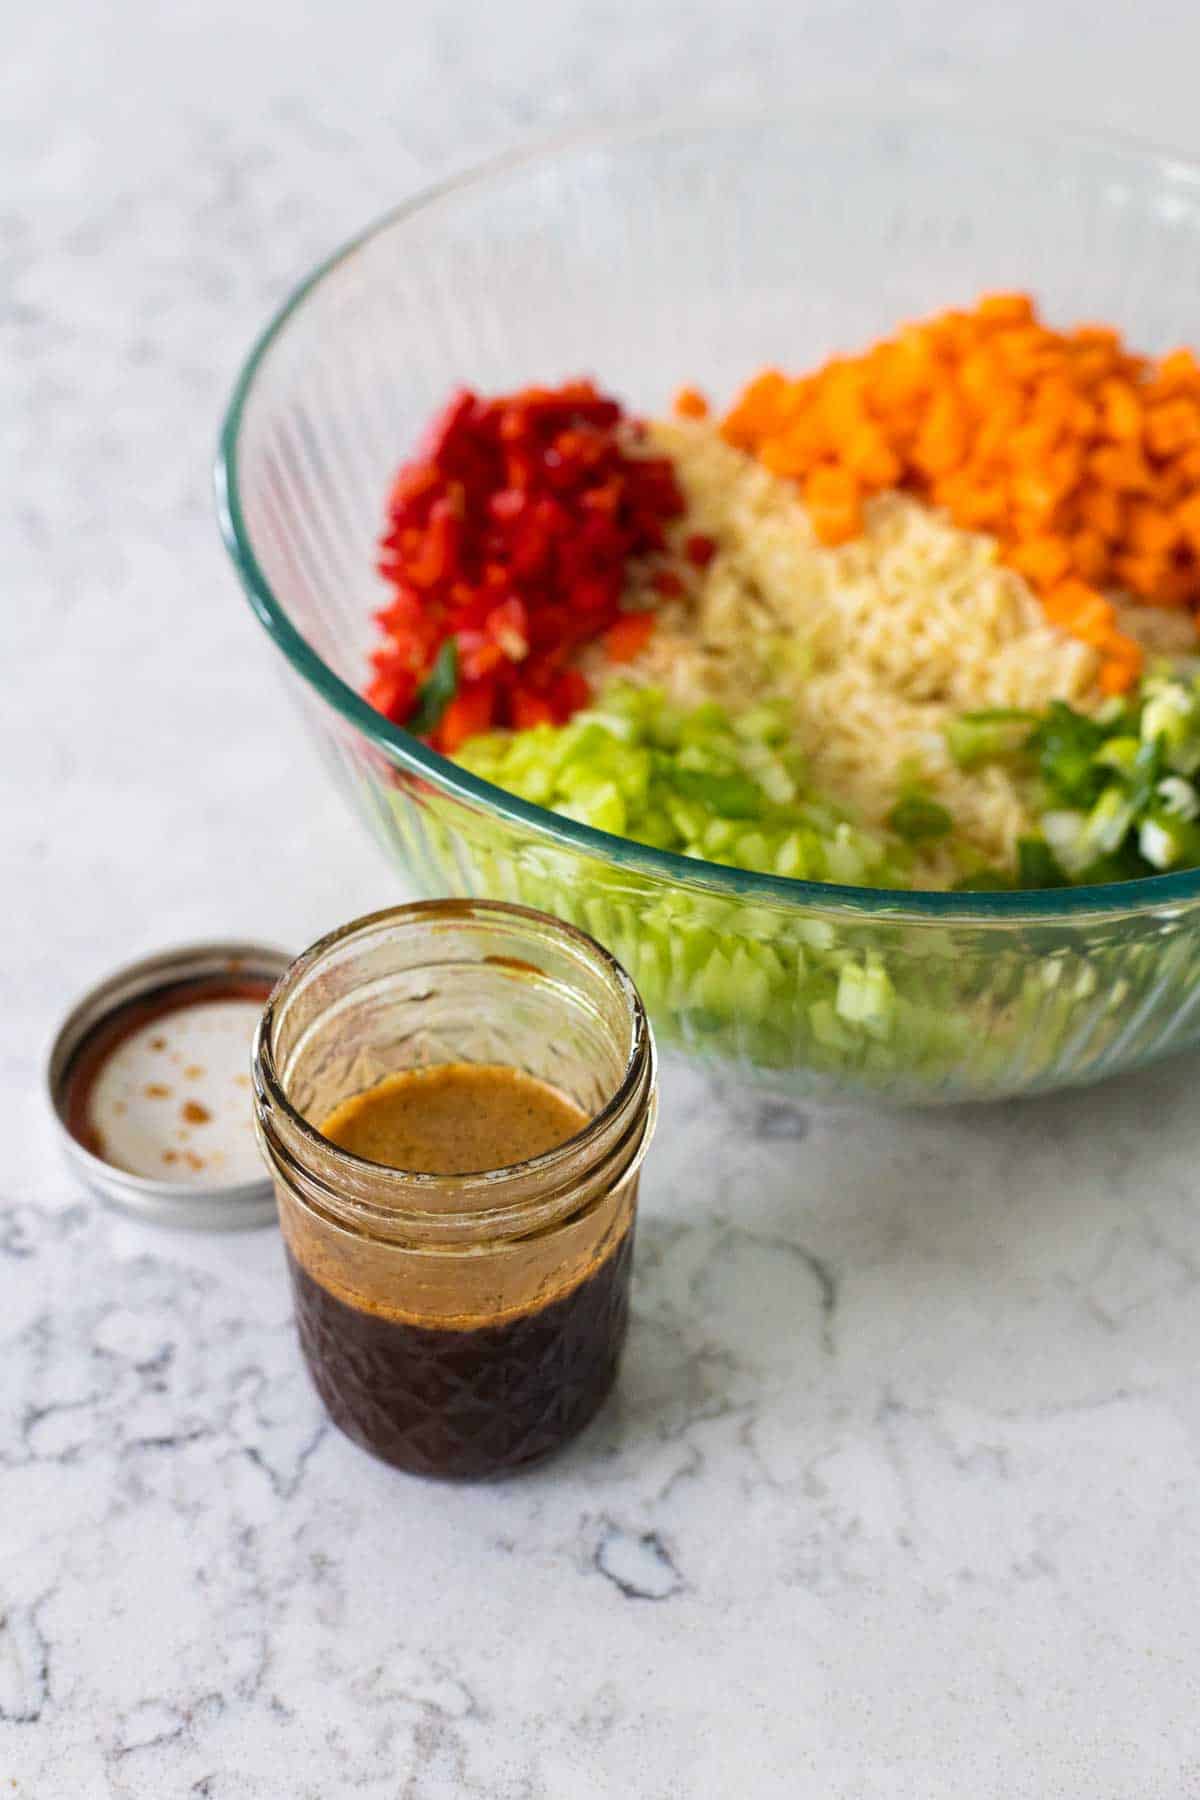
(109, 1037)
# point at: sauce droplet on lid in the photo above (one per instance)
(114, 1093)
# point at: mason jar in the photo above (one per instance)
(458, 1325)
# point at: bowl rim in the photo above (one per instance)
(945, 906)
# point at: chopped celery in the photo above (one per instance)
(697, 782)
(601, 806)
(790, 859)
(727, 796)
(865, 997)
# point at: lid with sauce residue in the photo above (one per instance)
(149, 1078)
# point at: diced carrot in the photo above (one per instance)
(1150, 530)
(1178, 586)
(1005, 309)
(1080, 610)
(1097, 337)
(1187, 517)
(791, 454)
(867, 454)
(1121, 412)
(942, 442)
(1102, 509)
(1118, 673)
(834, 503)
(1122, 466)
(976, 504)
(1040, 437)
(1054, 402)
(1042, 560)
(1037, 493)
(1171, 485)
(1177, 373)
(1030, 444)
(1142, 573)
(1172, 426)
(1089, 555)
(690, 403)
(979, 375)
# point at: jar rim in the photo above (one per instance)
(475, 1186)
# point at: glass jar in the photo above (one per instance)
(458, 1325)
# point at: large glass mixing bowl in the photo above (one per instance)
(698, 251)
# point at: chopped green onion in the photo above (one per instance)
(436, 691)
(1158, 844)
(1065, 832)
(1120, 753)
(1066, 743)
(997, 731)
(1178, 797)
(1166, 841)
(1108, 822)
(1037, 866)
(917, 819)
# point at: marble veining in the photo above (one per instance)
(899, 1496)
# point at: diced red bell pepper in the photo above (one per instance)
(629, 636)
(529, 709)
(570, 691)
(478, 655)
(508, 626)
(446, 427)
(511, 533)
(469, 713)
(393, 693)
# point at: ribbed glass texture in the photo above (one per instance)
(698, 252)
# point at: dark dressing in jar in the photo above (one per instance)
(454, 1099)
(484, 1394)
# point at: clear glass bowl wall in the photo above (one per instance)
(700, 252)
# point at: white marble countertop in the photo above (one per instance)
(901, 1493)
